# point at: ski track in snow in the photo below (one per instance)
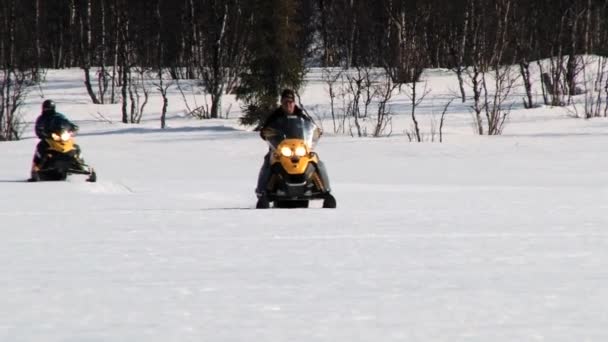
(105, 187)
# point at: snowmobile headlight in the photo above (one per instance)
(65, 136)
(55, 136)
(300, 151)
(286, 151)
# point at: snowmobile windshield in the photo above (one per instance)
(293, 127)
(60, 125)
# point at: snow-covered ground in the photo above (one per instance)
(478, 239)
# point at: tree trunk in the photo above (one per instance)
(125, 99)
(102, 76)
(586, 40)
(351, 36)
(86, 50)
(117, 27)
(461, 52)
(524, 68)
(477, 107)
(37, 38)
(327, 54)
(217, 79)
(161, 87)
(195, 53)
(543, 86)
(463, 95)
(606, 91)
(72, 29)
(414, 105)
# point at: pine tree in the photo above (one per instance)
(274, 62)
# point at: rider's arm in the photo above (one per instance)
(74, 127)
(40, 128)
(264, 127)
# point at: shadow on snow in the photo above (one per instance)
(144, 130)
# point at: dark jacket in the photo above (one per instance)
(279, 113)
(50, 120)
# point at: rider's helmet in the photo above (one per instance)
(48, 105)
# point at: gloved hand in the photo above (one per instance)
(266, 133)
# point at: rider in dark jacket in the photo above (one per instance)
(48, 118)
(288, 107)
(45, 124)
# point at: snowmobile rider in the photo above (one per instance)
(44, 125)
(288, 107)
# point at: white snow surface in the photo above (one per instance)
(476, 239)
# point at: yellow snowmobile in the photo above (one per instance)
(297, 175)
(62, 158)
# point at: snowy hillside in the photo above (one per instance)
(478, 239)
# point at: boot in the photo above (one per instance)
(34, 173)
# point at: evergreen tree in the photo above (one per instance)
(274, 62)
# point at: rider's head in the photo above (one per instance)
(48, 105)
(288, 101)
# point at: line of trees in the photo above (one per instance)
(255, 47)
